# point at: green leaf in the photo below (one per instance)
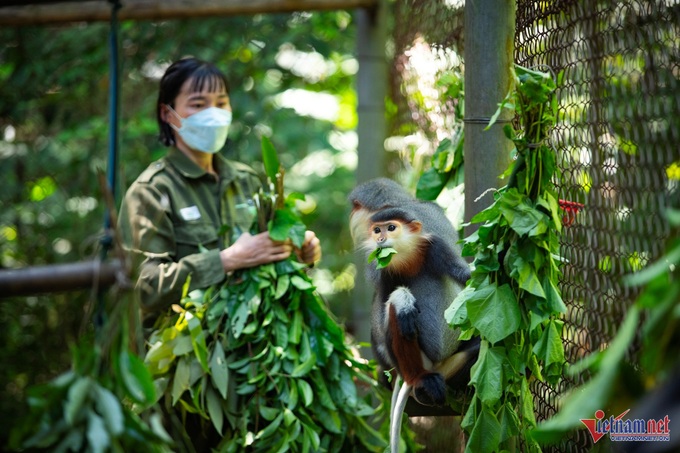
(494, 312)
(470, 417)
(456, 315)
(553, 296)
(282, 284)
(486, 433)
(519, 212)
(347, 388)
(270, 429)
(528, 280)
(329, 419)
(549, 347)
(321, 391)
(307, 392)
(295, 330)
(489, 214)
(270, 159)
(215, 409)
(182, 345)
(108, 406)
(430, 184)
(137, 378)
(382, 255)
(239, 319)
(156, 425)
(487, 374)
(305, 367)
(77, 395)
(509, 421)
(269, 413)
(287, 225)
(97, 436)
(219, 372)
(301, 283)
(198, 340)
(180, 382)
(527, 403)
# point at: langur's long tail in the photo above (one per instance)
(396, 415)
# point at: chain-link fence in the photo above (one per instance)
(617, 147)
(617, 142)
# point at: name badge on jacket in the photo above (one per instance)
(190, 213)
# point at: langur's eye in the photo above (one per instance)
(376, 230)
(391, 227)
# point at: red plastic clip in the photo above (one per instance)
(571, 208)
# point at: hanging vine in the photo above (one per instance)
(512, 301)
(94, 407)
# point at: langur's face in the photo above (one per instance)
(385, 234)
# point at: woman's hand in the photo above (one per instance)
(250, 251)
(310, 252)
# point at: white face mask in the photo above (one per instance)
(206, 130)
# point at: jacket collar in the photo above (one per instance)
(189, 169)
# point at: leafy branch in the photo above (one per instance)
(95, 406)
(260, 361)
(512, 301)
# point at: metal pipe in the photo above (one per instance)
(21, 13)
(489, 65)
(59, 278)
(371, 131)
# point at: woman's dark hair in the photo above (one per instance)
(201, 72)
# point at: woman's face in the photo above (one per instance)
(189, 102)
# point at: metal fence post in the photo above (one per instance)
(489, 49)
(371, 130)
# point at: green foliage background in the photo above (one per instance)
(53, 141)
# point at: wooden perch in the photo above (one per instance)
(60, 278)
(90, 11)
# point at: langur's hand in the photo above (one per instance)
(310, 252)
(250, 251)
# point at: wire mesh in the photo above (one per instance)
(616, 143)
(617, 148)
(428, 44)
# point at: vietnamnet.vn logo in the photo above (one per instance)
(626, 430)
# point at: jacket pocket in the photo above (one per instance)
(193, 234)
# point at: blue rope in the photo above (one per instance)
(114, 103)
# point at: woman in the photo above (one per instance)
(180, 215)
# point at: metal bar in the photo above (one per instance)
(93, 11)
(489, 44)
(59, 278)
(371, 132)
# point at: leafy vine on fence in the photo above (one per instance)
(512, 301)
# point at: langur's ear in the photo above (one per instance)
(415, 226)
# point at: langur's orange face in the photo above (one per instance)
(386, 234)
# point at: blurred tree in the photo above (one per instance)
(291, 78)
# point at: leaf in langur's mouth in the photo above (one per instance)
(382, 255)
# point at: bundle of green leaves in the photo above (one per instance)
(90, 407)
(261, 361)
(512, 301)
